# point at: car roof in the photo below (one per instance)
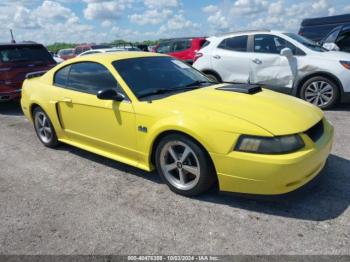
(113, 56)
(21, 44)
(246, 32)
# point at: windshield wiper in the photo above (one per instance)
(157, 92)
(198, 83)
(190, 86)
(194, 85)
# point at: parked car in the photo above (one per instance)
(127, 47)
(285, 62)
(17, 60)
(318, 29)
(82, 48)
(182, 48)
(65, 54)
(143, 47)
(153, 110)
(98, 51)
(56, 57)
(338, 39)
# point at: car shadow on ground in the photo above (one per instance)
(12, 108)
(152, 176)
(324, 198)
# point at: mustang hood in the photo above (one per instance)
(277, 113)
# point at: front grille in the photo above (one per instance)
(316, 131)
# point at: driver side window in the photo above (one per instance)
(271, 44)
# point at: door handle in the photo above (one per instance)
(257, 61)
(66, 100)
(216, 56)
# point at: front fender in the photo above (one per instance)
(213, 141)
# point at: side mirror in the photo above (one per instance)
(331, 46)
(110, 94)
(287, 52)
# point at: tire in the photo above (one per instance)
(213, 77)
(44, 128)
(190, 176)
(320, 91)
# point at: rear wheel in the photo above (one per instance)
(184, 165)
(44, 128)
(320, 91)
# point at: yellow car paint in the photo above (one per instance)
(214, 118)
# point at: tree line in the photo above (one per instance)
(57, 46)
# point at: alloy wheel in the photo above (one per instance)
(319, 93)
(180, 165)
(43, 127)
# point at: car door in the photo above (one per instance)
(105, 125)
(268, 67)
(231, 60)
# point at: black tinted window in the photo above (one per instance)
(238, 43)
(90, 78)
(11, 54)
(148, 74)
(182, 45)
(61, 76)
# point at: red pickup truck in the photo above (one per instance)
(16, 61)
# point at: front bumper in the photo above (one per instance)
(9, 96)
(273, 174)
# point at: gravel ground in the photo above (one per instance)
(69, 201)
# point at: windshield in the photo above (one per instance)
(66, 52)
(148, 76)
(9, 54)
(306, 42)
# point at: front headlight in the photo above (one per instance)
(269, 145)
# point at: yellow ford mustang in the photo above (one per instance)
(153, 111)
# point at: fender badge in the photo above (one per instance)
(142, 129)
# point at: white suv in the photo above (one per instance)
(284, 62)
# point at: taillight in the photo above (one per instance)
(196, 56)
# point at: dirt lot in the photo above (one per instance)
(67, 201)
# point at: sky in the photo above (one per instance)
(88, 21)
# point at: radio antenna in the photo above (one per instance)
(12, 38)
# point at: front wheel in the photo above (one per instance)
(184, 165)
(321, 92)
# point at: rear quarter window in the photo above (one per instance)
(237, 43)
(61, 77)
